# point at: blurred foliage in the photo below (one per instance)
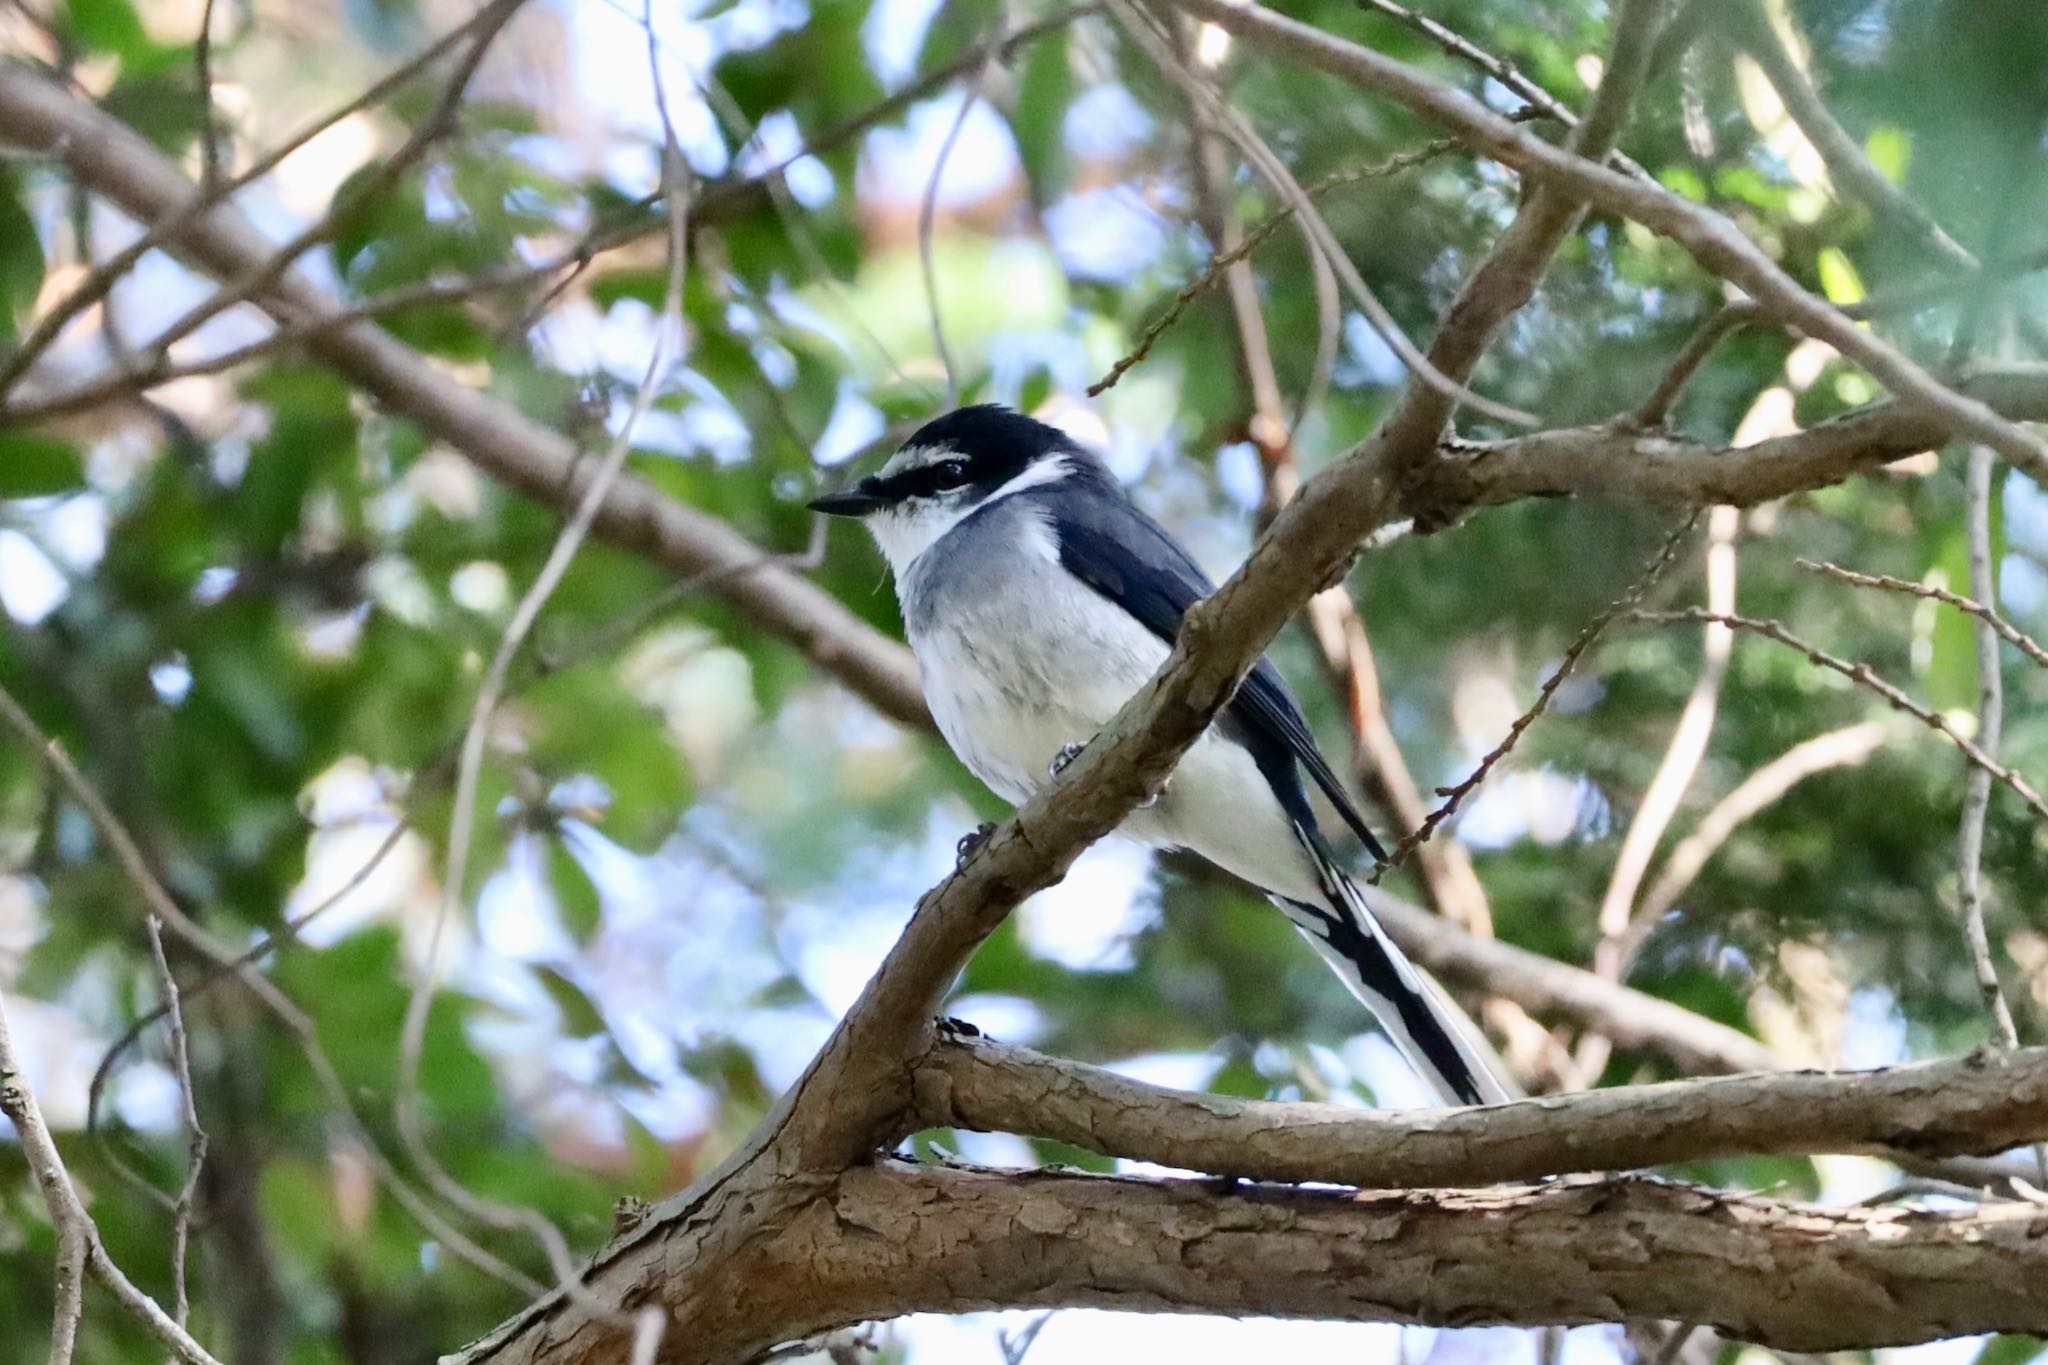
(257, 610)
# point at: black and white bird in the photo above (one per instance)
(1038, 599)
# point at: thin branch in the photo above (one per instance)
(1321, 239)
(1228, 256)
(927, 208)
(1684, 753)
(116, 163)
(1985, 615)
(1990, 727)
(78, 1242)
(1712, 239)
(668, 340)
(281, 938)
(176, 218)
(67, 1216)
(1455, 795)
(386, 173)
(195, 1158)
(1499, 69)
(209, 126)
(1761, 38)
(1847, 747)
(1864, 676)
(135, 868)
(1725, 321)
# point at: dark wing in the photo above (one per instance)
(1107, 543)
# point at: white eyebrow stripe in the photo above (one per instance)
(914, 457)
(1034, 475)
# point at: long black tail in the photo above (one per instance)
(1421, 1024)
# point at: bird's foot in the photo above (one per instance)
(970, 844)
(1069, 752)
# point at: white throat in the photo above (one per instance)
(906, 531)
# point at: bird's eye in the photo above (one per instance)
(949, 473)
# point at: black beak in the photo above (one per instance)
(852, 503)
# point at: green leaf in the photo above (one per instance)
(575, 893)
(580, 1018)
(1040, 122)
(110, 26)
(33, 465)
(21, 257)
(2008, 1350)
(1839, 277)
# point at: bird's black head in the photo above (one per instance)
(952, 466)
(957, 459)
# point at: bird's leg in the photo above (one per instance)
(970, 844)
(1069, 752)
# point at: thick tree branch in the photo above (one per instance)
(111, 160)
(895, 1238)
(1974, 1106)
(1623, 460)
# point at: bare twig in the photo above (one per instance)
(387, 172)
(134, 866)
(209, 127)
(1510, 76)
(281, 938)
(1454, 796)
(1320, 238)
(169, 226)
(1985, 614)
(1846, 747)
(1674, 776)
(78, 1242)
(1712, 239)
(1990, 727)
(927, 208)
(668, 340)
(1221, 265)
(67, 1217)
(195, 1160)
(1863, 675)
(1656, 409)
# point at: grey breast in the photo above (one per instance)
(1001, 603)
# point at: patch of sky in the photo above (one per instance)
(892, 35)
(777, 140)
(897, 162)
(1365, 358)
(1106, 233)
(1106, 122)
(854, 425)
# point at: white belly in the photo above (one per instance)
(1009, 688)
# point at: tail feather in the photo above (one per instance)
(1420, 1022)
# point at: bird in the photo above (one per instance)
(1037, 599)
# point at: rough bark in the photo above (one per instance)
(896, 1238)
(1975, 1106)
